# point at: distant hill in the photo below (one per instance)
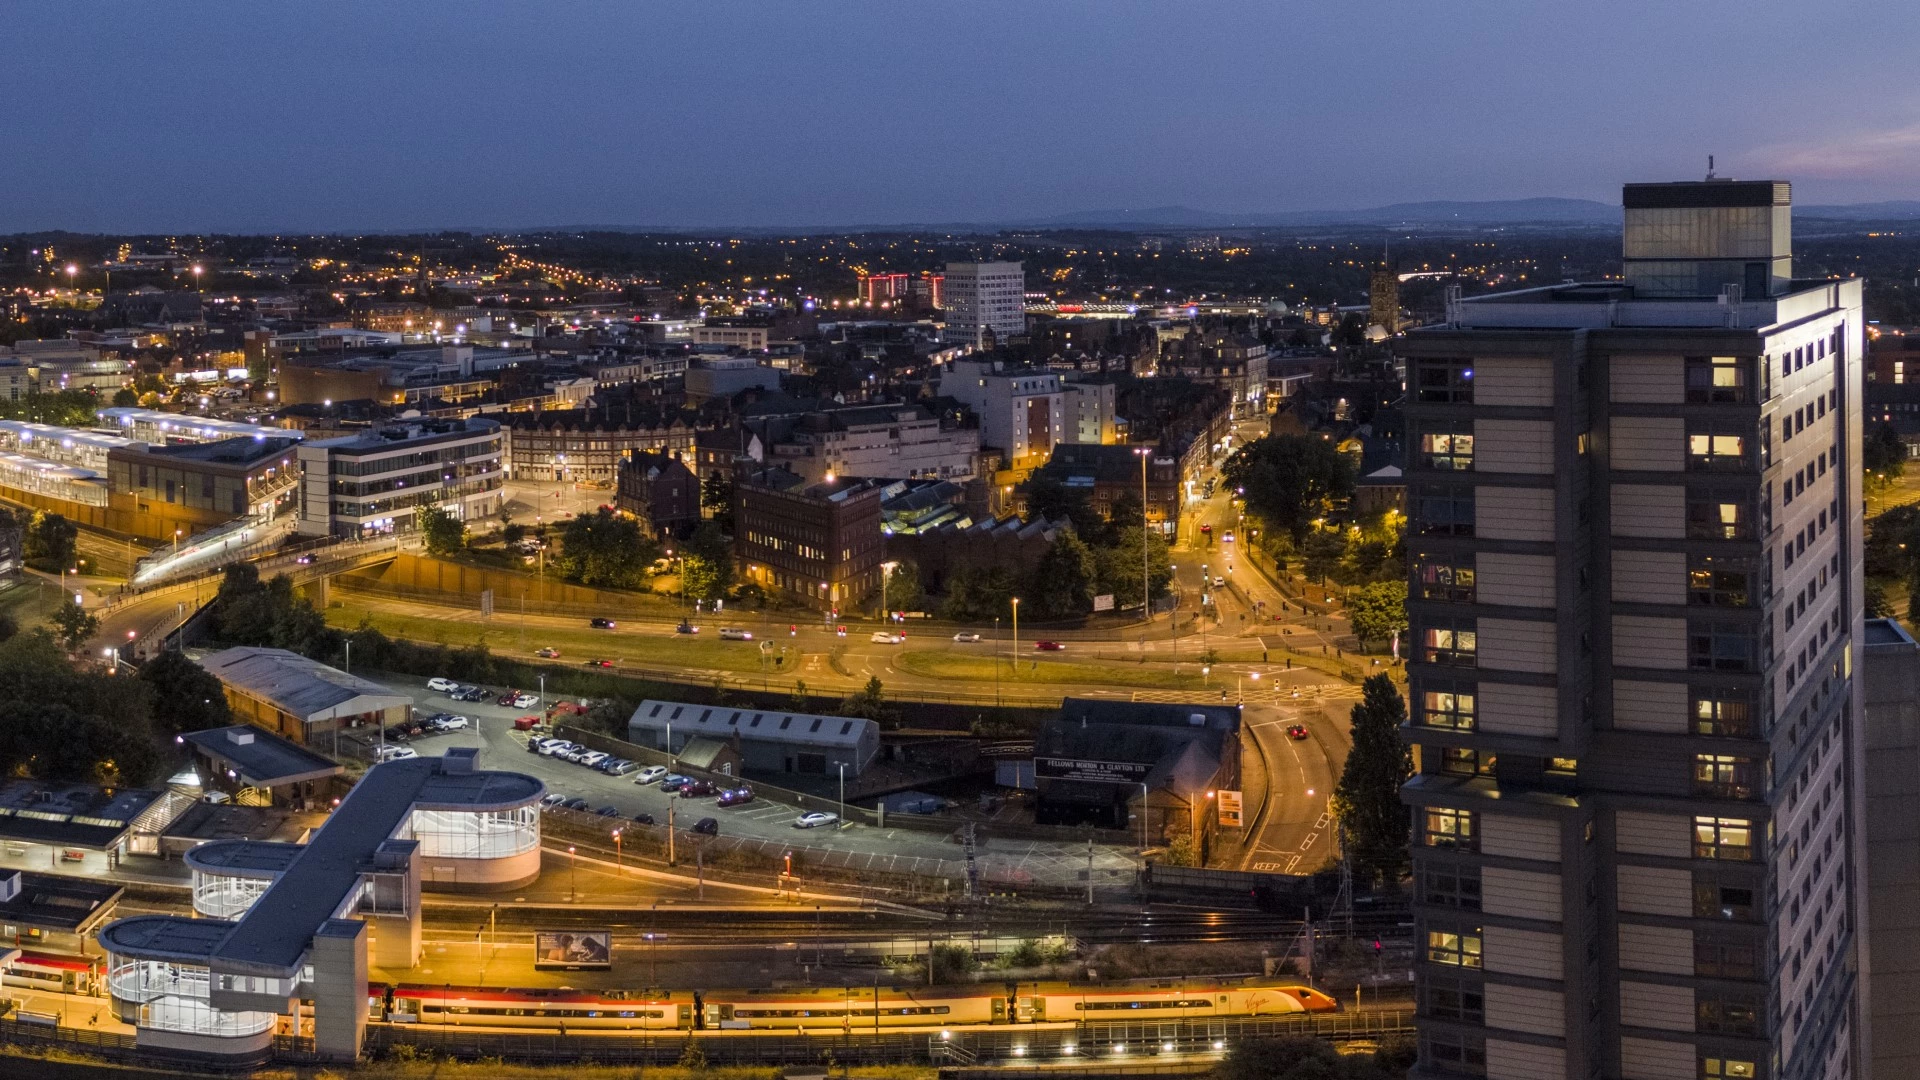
(1873, 211)
(1494, 212)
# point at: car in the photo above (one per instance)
(840, 631)
(471, 693)
(553, 798)
(506, 697)
(650, 774)
(734, 633)
(1049, 646)
(525, 701)
(452, 723)
(887, 637)
(643, 819)
(577, 803)
(602, 624)
(607, 811)
(593, 758)
(547, 653)
(814, 819)
(674, 782)
(707, 826)
(579, 754)
(1296, 731)
(1208, 529)
(305, 560)
(696, 789)
(1219, 582)
(557, 748)
(965, 637)
(1227, 537)
(618, 767)
(394, 753)
(442, 686)
(739, 796)
(686, 627)
(599, 663)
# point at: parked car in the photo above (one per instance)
(599, 663)
(472, 693)
(1296, 731)
(442, 686)
(602, 624)
(696, 789)
(814, 819)
(734, 633)
(525, 701)
(506, 697)
(887, 637)
(686, 627)
(707, 826)
(674, 781)
(577, 803)
(607, 811)
(650, 774)
(455, 723)
(547, 653)
(1049, 646)
(739, 796)
(619, 767)
(593, 758)
(557, 748)
(643, 819)
(394, 753)
(552, 798)
(966, 637)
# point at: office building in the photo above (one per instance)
(1635, 548)
(900, 441)
(370, 483)
(818, 543)
(588, 445)
(660, 490)
(982, 299)
(1022, 411)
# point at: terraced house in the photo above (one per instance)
(1635, 599)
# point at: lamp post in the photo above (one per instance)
(1144, 795)
(843, 792)
(1193, 804)
(886, 571)
(996, 661)
(1016, 637)
(571, 861)
(1146, 594)
(618, 865)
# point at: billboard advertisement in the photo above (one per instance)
(572, 950)
(1102, 772)
(1231, 807)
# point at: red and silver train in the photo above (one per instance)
(856, 1008)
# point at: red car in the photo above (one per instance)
(1296, 731)
(599, 663)
(1049, 646)
(695, 789)
(736, 797)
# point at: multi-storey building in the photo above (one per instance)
(982, 297)
(370, 483)
(1635, 548)
(588, 445)
(1022, 411)
(900, 441)
(819, 544)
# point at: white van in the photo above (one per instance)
(734, 633)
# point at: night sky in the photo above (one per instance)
(180, 116)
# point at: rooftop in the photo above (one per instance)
(1598, 305)
(298, 686)
(722, 722)
(388, 436)
(165, 937)
(260, 757)
(55, 902)
(244, 858)
(241, 450)
(1887, 632)
(79, 814)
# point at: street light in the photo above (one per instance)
(571, 861)
(886, 571)
(843, 792)
(1016, 637)
(1146, 595)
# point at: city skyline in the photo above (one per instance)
(201, 119)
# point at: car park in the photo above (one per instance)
(650, 774)
(547, 653)
(966, 637)
(602, 624)
(577, 803)
(814, 819)
(707, 826)
(1049, 646)
(696, 789)
(739, 796)
(887, 637)
(734, 633)
(442, 686)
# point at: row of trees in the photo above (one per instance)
(606, 550)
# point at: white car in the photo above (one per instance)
(734, 633)
(526, 701)
(453, 723)
(592, 758)
(557, 748)
(815, 819)
(651, 774)
(442, 686)
(393, 753)
(552, 798)
(966, 637)
(883, 637)
(1219, 583)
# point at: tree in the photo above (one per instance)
(1367, 799)
(50, 539)
(869, 703)
(125, 398)
(978, 593)
(605, 550)
(64, 723)
(1290, 480)
(74, 623)
(903, 591)
(1883, 453)
(716, 498)
(1876, 601)
(707, 571)
(1321, 552)
(1378, 611)
(444, 534)
(1297, 1057)
(1117, 567)
(1062, 583)
(186, 697)
(1049, 499)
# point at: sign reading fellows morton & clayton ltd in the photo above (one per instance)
(1100, 772)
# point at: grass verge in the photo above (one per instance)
(980, 669)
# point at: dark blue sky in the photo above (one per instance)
(344, 115)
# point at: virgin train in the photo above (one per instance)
(855, 1008)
